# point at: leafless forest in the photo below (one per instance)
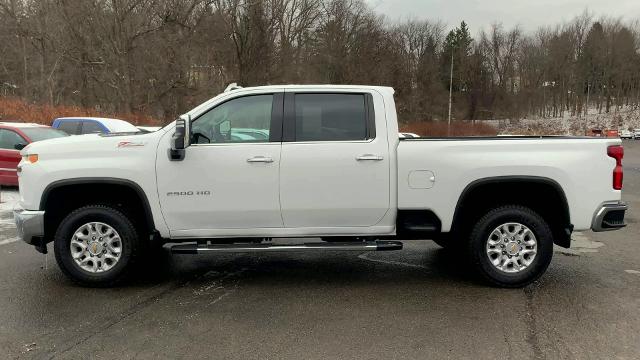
(161, 57)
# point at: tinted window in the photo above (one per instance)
(70, 127)
(330, 117)
(44, 133)
(245, 119)
(9, 139)
(91, 127)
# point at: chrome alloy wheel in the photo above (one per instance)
(96, 247)
(511, 247)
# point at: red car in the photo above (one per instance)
(14, 136)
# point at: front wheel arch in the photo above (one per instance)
(62, 197)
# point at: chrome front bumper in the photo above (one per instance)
(610, 216)
(30, 225)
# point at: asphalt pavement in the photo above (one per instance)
(418, 303)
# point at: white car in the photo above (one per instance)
(625, 134)
(333, 167)
(636, 134)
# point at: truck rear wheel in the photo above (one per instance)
(96, 245)
(511, 246)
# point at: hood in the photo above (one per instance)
(91, 145)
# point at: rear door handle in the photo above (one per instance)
(260, 159)
(369, 157)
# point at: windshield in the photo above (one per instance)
(43, 133)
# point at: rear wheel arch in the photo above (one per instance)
(543, 195)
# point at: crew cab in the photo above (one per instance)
(331, 166)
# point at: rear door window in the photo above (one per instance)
(70, 127)
(91, 127)
(330, 117)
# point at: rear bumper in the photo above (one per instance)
(30, 225)
(610, 216)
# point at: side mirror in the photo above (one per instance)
(19, 146)
(180, 139)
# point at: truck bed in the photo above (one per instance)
(435, 171)
(504, 137)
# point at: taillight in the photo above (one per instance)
(617, 152)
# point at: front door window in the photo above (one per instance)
(240, 120)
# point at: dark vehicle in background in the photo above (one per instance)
(14, 136)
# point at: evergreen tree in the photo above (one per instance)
(593, 60)
(459, 43)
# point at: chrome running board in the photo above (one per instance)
(319, 246)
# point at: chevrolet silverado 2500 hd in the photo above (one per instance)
(254, 164)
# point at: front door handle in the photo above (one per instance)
(369, 157)
(260, 159)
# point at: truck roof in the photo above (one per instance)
(233, 88)
(315, 86)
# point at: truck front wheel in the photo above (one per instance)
(511, 246)
(96, 245)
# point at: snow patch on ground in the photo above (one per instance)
(623, 118)
(8, 201)
(580, 244)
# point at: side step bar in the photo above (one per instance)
(345, 246)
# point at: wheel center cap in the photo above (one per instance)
(95, 248)
(513, 248)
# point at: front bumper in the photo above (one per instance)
(30, 226)
(610, 216)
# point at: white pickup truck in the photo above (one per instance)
(256, 164)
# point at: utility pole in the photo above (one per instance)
(450, 94)
(586, 109)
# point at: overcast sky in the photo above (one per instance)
(530, 14)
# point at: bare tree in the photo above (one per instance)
(160, 57)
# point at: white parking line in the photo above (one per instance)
(8, 241)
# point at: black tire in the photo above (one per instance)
(110, 216)
(505, 214)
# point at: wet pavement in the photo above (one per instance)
(412, 304)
